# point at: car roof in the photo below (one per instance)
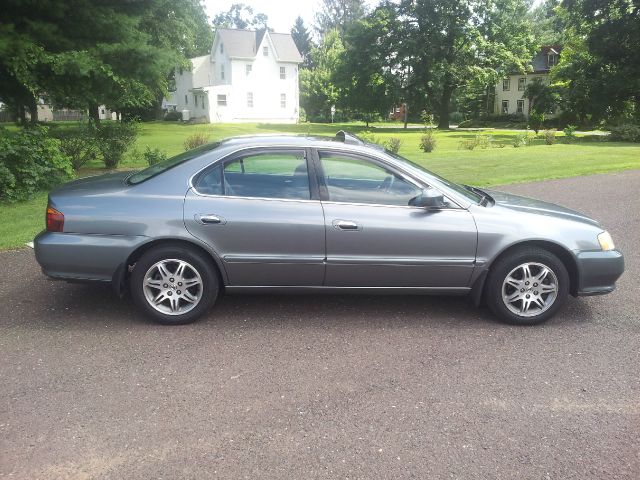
(341, 138)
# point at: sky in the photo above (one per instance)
(282, 13)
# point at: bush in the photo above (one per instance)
(625, 133)
(535, 121)
(550, 136)
(196, 140)
(153, 156)
(428, 141)
(456, 118)
(80, 145)
(369, 137)
(172, 116)
(522, 140)
(31, 161)
(480, 141)
(570, 132)
(393, 144)
(114, 139)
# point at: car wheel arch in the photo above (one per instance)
(120, 283)
(558, 250)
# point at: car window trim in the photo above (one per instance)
(324, 192)
(314, 194)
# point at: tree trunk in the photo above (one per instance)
(159, 113)
(443, 111)
(94, 113)
(21, 117)
(406, 115)
(33, 111)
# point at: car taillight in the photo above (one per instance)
(55, 220)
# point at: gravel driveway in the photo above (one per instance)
(297, 387)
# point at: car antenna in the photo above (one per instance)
(348, 138)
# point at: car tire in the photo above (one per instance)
(174, 284)
(527, 286)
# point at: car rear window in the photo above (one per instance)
(169, 163)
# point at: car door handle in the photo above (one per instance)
(345, 225)
(210, 219)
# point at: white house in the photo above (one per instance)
(249, 76)
(509, 97)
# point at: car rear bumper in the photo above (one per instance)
(598, 272)
(83, 257)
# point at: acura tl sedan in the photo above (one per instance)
(292, 213)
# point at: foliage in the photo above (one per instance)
(542, 97)
(302, 39)
(536, 119)
(114, 139)
(456, 117)
(522, 140)
(428, 141)
(240, 16)
(79, 144)
(153, 156)
(570, 132)
(196, 140)
(338, 15)
(318, 91)
(550, 136)
(625, 133)
(479, 141)
(30, 161)
(393, 144)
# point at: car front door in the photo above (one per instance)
(375, 239)
(260, 212)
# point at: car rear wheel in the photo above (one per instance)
(174, 285)
(527, 286)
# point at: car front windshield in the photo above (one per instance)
(462, 190)
(169, 163)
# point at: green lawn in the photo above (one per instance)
(482, 167)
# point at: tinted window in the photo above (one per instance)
(355, 180)
(261, 175)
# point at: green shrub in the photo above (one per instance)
(426, 118)
(625, 133)
(153, 156)
(114, 139)
(570, 132)
(30, 161)
(522, 140)
(196, 140)
(456, 118)
(79, 144)
(479, 141)
(465, 123)
(428, 141)
(393, 144)
(550, 136)
(535, 121)
(369, 137)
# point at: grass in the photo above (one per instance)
(482, 167)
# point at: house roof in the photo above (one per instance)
(539, 62)
(245, 43)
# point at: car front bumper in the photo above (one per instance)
(598, 272)
(83, 257)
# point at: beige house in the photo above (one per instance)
(509, 92)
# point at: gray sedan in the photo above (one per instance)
(288, 213)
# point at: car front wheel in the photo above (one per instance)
(527, 286)
(174, 285)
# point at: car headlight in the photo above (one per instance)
(606, 242)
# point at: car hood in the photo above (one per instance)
(95, 185)
(531, 205)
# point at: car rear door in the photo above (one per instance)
(375, 239)
(259, 210)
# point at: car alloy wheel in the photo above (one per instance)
(530, 289)
(172, 286)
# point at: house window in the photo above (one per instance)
(102, 111)
(222, 100)
(520, 106)
(283, 73)
(506, 84)
(505, 106)
(186, 99)
(222, 72)
(283, 100)
(250, 99)
(552, 60)
(522, 83)
(265, 51)
(248, 68)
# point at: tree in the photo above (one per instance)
(318, 92)
(367, 83)
(302, 39)
(542, 98)
(449, 43)
(338, 15)
(240, 16)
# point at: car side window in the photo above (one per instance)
(355, 180)
(269, 174)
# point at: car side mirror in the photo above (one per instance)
(428, 198)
